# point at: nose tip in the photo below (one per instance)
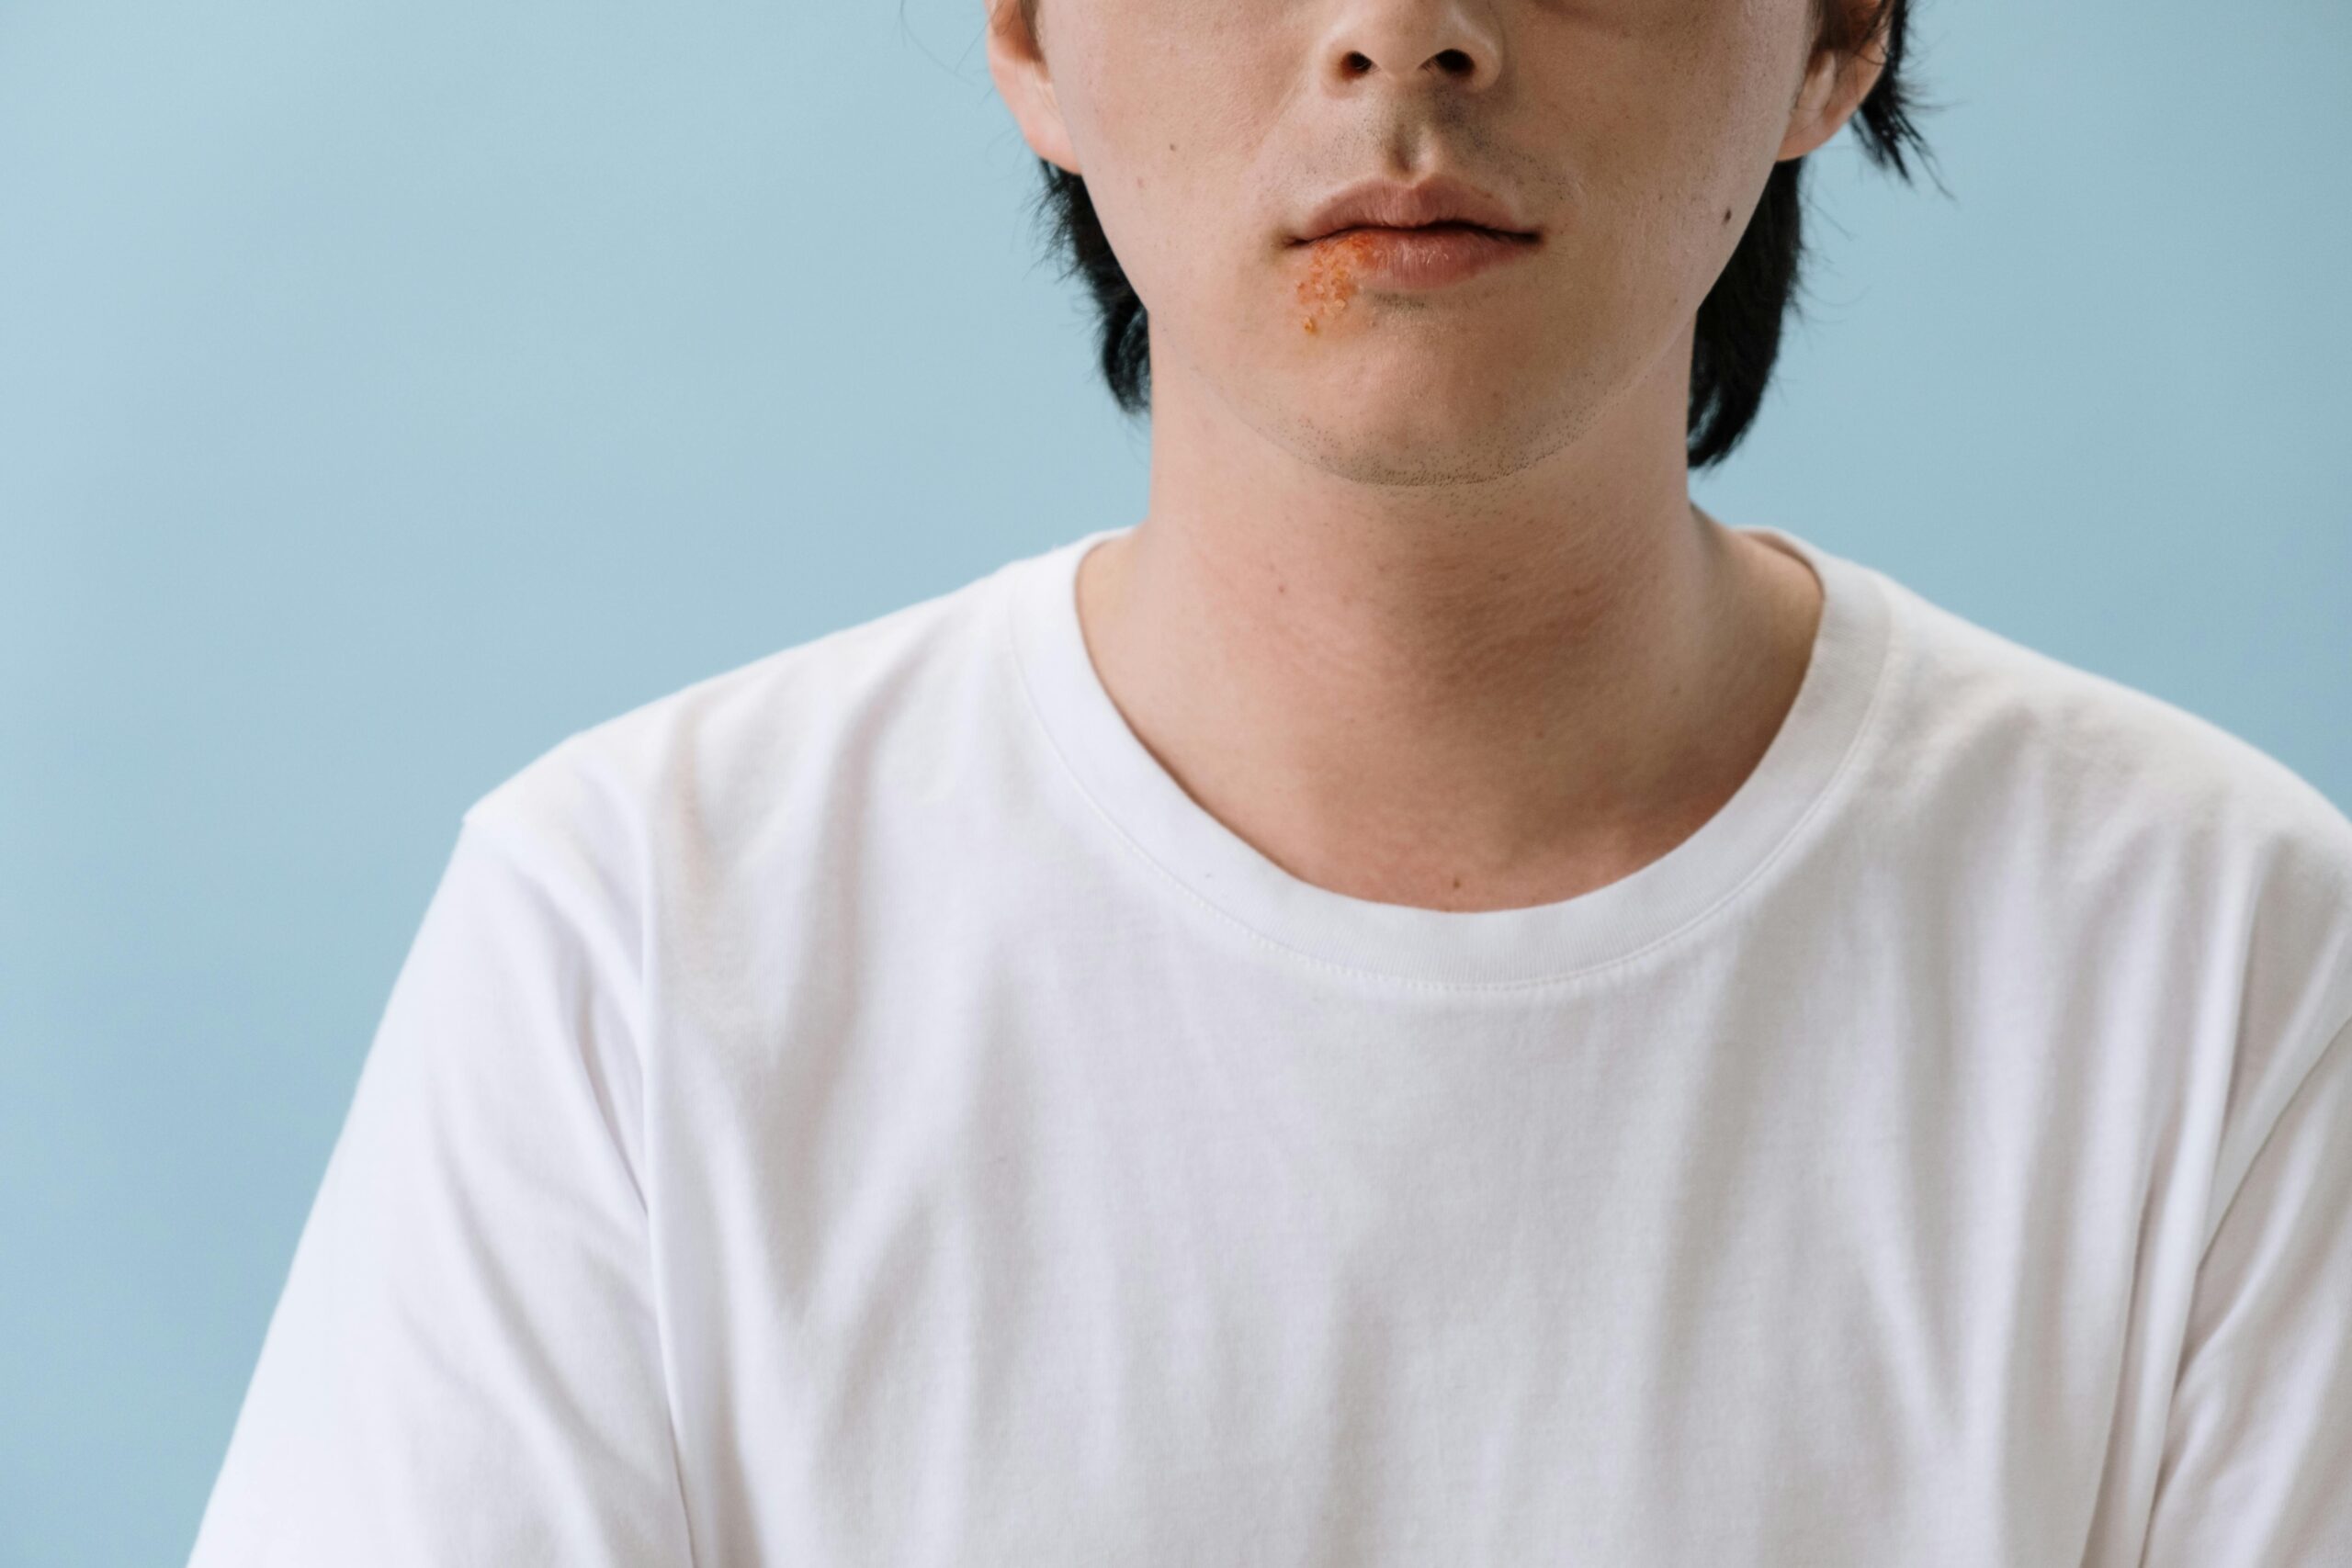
(1454, 64)
(1413, 45)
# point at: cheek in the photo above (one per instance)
(1686, 105)
(1178, 98)
(1673, 144)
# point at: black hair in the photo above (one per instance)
(1738, 330)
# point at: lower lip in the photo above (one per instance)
(1419, 258)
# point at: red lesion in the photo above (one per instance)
(1331, 280)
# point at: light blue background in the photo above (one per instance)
(388, 390)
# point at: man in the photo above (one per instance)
(1426, 1003)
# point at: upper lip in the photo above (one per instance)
(1388, 205)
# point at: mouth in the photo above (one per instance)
(1389, 260)
(1450, 226)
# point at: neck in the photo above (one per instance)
(1477, 694)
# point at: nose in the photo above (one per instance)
(1412, 42)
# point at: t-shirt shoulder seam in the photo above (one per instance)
(2331, 1042)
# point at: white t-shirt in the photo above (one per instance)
(858, 1110)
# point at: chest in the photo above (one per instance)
(1233, 1279)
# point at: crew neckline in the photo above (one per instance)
(1477, 949)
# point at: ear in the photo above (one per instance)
(1017, 63)
(1834, 85)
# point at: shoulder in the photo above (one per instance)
(2112, 806)
(1971, 709)
(715, 763)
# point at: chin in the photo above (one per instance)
(1408, 432)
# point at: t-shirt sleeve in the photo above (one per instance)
(2257, 1464)
(464, 1366)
